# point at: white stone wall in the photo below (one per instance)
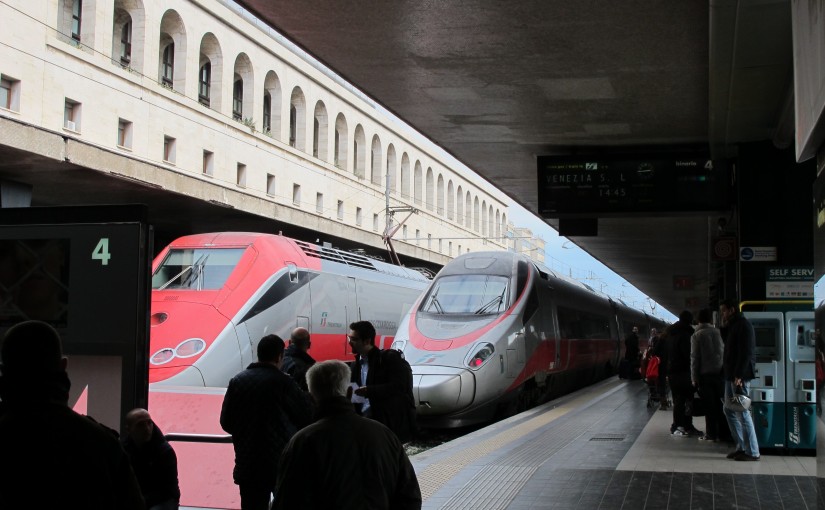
(46, 67)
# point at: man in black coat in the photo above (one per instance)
(296, 358)
(262, 409)
(678, 374)
(71, 460)
(384, 382)
(343, 460)
(739, 364)
(153, 460)
(631, 352)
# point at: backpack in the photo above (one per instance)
(652, 371)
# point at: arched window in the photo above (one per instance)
(168, 65)
(418, 177)
(341, 142)
(293, 124)
(468, 211)
(459, 212)
(267, 113)
(359, 160)
(272, 86)
(391, 164)
(476, 216)
(204, 82)
(439, 196)
(484, 231)
(375, 161)
(297, 120)
(237, 98)
(320, 132)
(405, 176)
(430, 191)
(450, 201)
(128, 34)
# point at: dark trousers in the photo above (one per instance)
(254, 496)
(682, 391)
(711, 390)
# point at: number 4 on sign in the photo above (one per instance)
(101, 251)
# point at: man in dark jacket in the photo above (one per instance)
(739, 362)
(678, 374)
(71, 460)
(384, 382)
(296, 358)
(153, 460)
(631, 352)
(262, 409)
(344, 460)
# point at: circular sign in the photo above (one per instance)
(746, 253)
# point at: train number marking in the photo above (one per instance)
(101, 251)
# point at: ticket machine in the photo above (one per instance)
(783, 392)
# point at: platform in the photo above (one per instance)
(602, 448)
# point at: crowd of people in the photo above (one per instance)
(287, 415)
(717, 364)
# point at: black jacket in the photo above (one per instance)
(740, 349)
(631, 348)
(678, 351)
(389, 390)
(156, 468)
(262, 409)
(296, 363)
(71, 461)
(344, 461)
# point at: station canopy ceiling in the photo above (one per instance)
(497, 84)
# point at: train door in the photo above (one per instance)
(768, 388)
(800, 416)
(350, 300)
(333, 298)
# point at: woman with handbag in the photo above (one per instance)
(706, 349)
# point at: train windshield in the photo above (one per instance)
(467, 294)
(196, 268)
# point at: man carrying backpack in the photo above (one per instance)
(384, 381)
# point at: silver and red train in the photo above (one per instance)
(494, 334)
(215, 295)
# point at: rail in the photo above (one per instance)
(198, 438)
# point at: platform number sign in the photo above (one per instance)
(101, 251)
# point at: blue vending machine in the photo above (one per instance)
(768, 388)
(800, 381)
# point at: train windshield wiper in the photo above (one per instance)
(486, 307)
(195, 274)
(435, 303)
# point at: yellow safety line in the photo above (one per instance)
(437, 474)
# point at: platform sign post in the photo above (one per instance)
(86, 271)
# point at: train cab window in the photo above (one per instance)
(467, 294)
(196, 268)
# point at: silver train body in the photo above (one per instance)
(494, 334)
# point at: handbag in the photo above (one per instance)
(739, 402)
(695, 406)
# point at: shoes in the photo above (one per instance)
(734, 454)
(680, 432)
(708, 438)
(745, 457)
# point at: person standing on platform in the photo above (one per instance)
(739, 370)
(678, 374)
(50, 456)
(706, 349)
(153, 460)
(344, 460)
(383, 382)
(631, 352)
(262, 410)
(296, 358)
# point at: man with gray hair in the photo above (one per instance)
(353, 451)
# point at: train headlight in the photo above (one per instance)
(189, 348)
(483, 352)
(164, 355)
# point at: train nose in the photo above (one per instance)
(442, 390)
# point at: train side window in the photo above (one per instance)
(531, 307)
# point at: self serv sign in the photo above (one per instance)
(789, 283)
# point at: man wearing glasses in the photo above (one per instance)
(383, 381)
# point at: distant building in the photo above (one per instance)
(522, 240)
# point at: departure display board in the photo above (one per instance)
(625, 185)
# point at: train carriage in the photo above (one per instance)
(215, 295)
(494, 334)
